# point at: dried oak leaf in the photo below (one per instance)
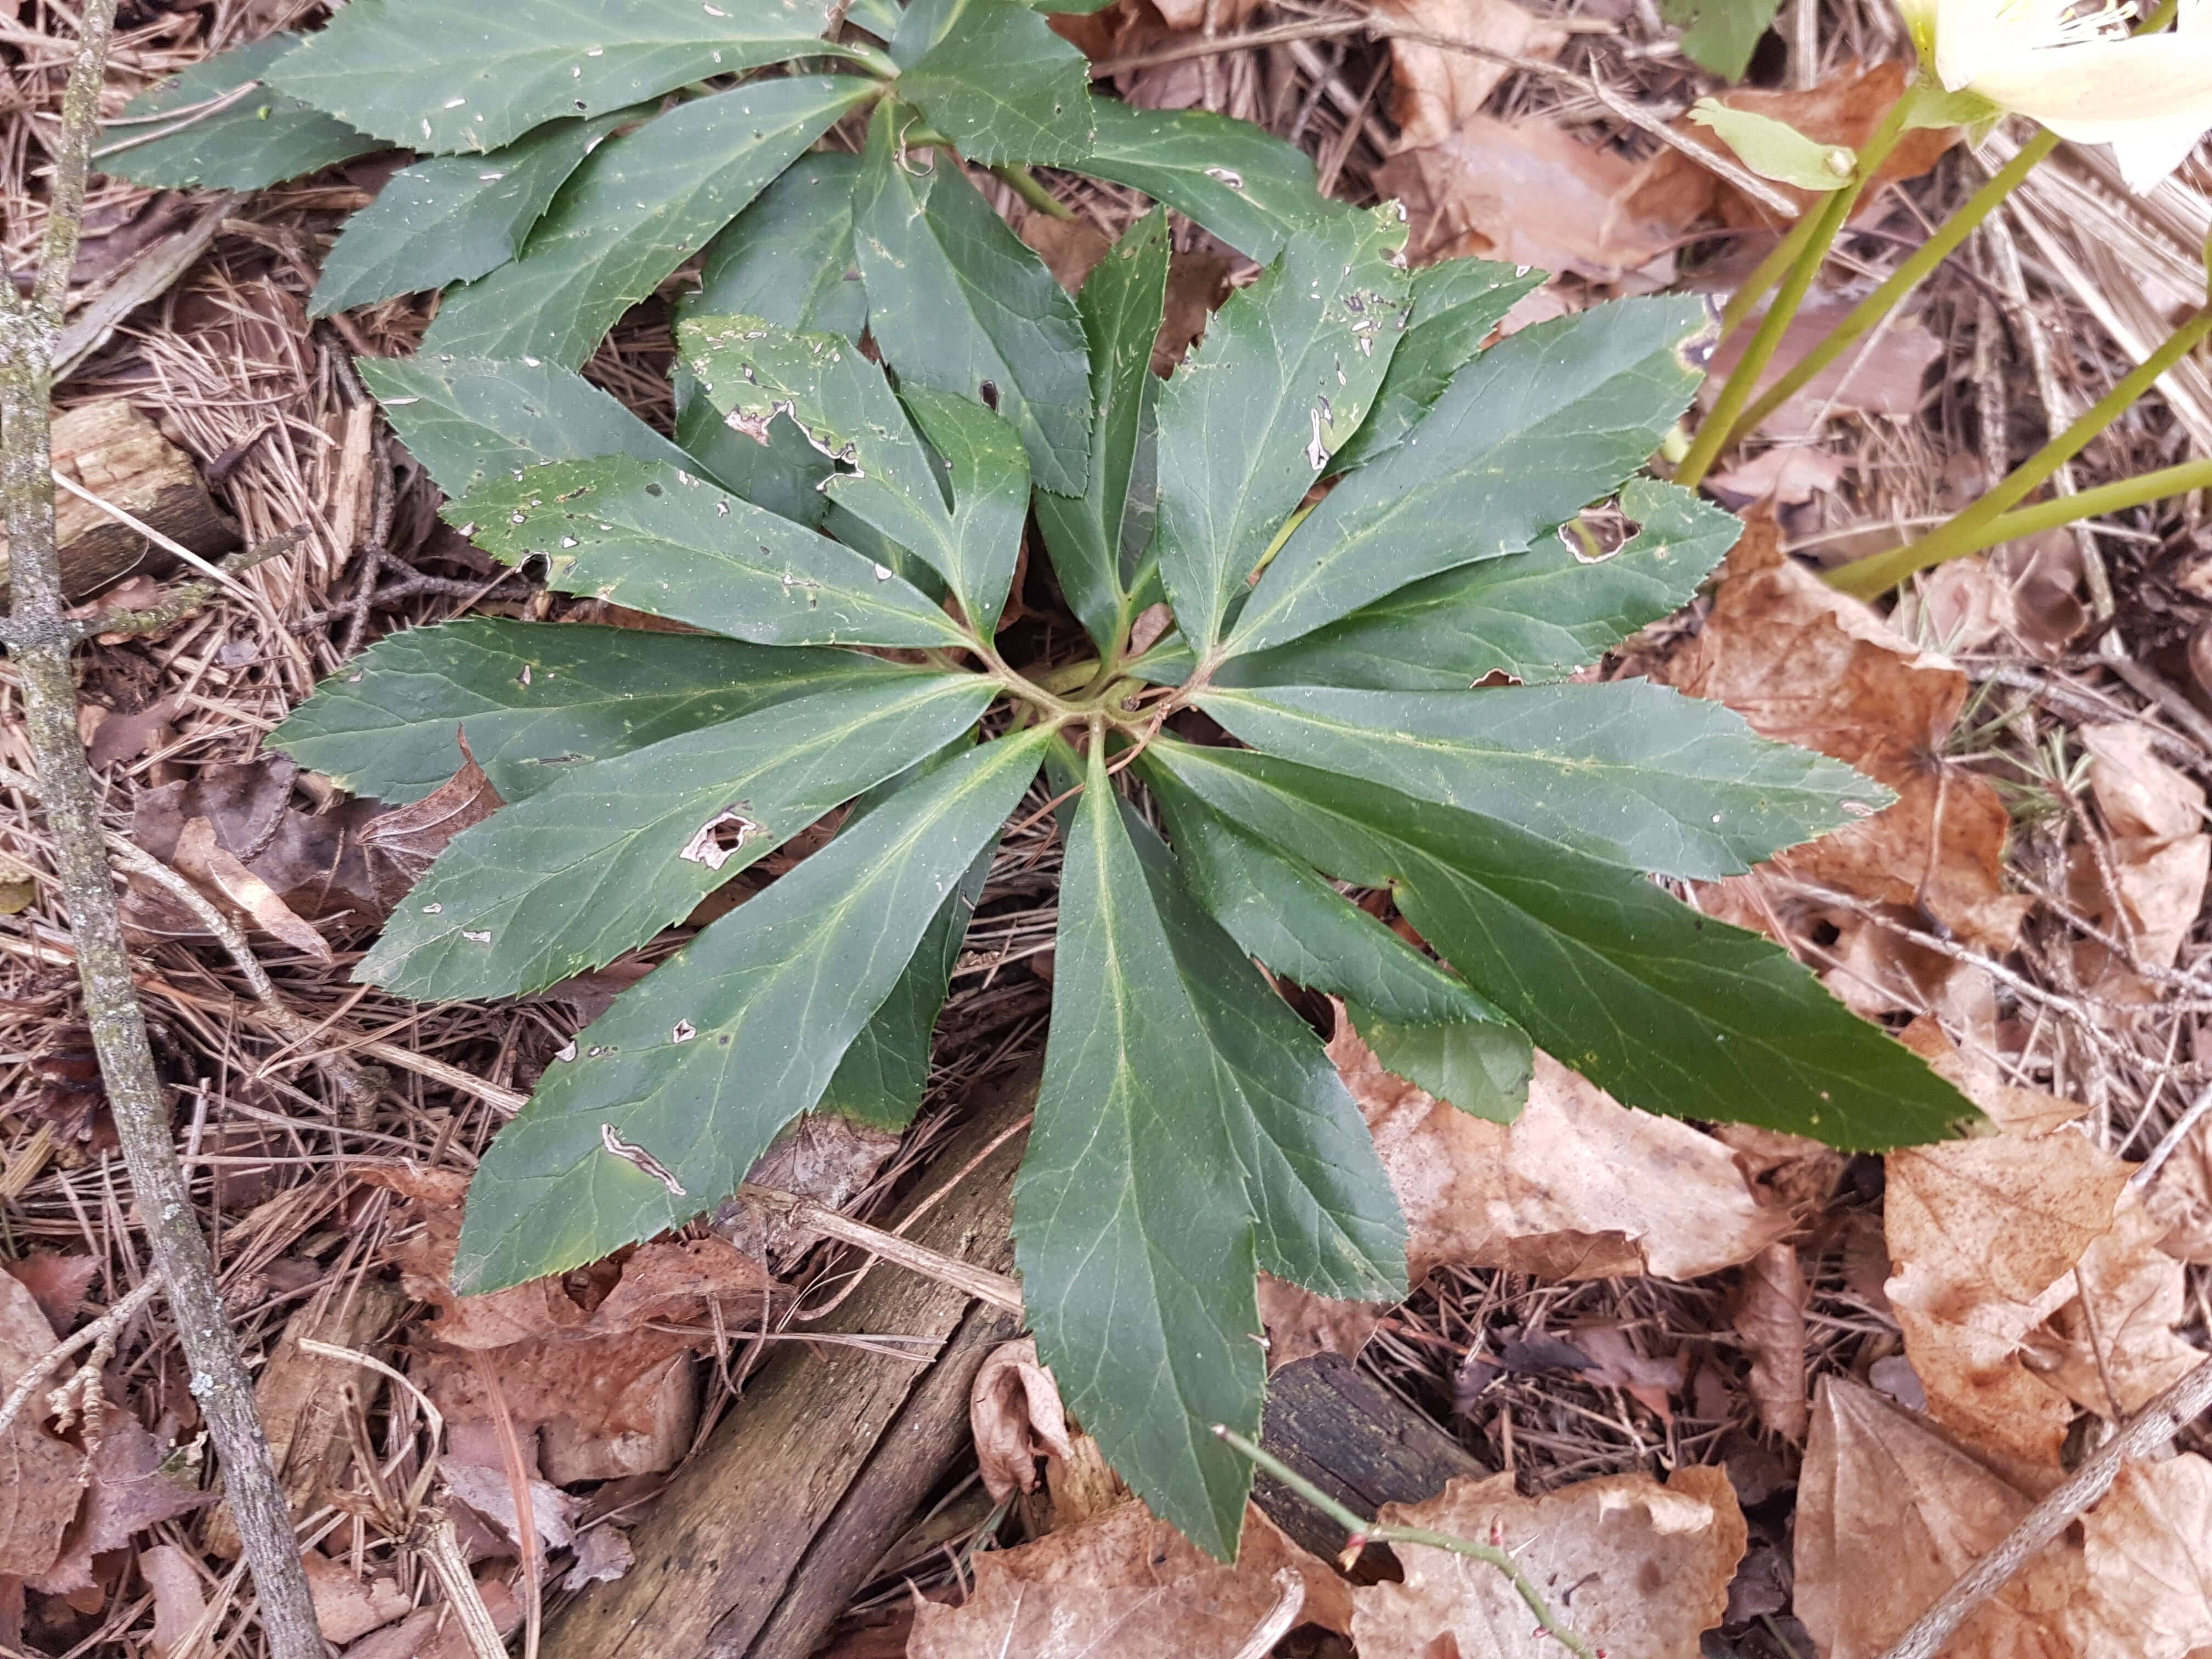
(1433, 89)
(1770, 1317)
(1890, 1514)
(1126, 1581)
(41, 1475)
(1580, 1186)
(1638, 1569)
(1804, 664)
(1527, 192)
(1015, 1413)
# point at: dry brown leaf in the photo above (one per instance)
(1638, 1569)
(40, 1475)
(348, 1607)
(1434, 89)
(125, 1492)
(2119, 1332)
(2155, 815)
(1770, 1317)
(2147, 1548)
(1788, 475)
(179, 1606)
(228, 881)
(1300, 1324)
(2181, 1198)
(1071, 248)
(1580, 1186)
(1787, 1172)
(1890, 1514)
(2024, 595)
(413, 835)
(2016, 1110)
(1197, 286)
(490, 1493)
(824, 1156)
(603, 1555)
(1650, 1380)
(1134, 1582)
(1015, 1413)
(1984, 1237)
(1526, 192)
(57, 1282)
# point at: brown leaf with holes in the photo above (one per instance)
(1434, 88)
(1804, 664)
(1770, 1317)
(1015, 1413)
(1580, 1186)
(1123, 1573)
(1638, 1569)
(1526, 192)
(40, 1474)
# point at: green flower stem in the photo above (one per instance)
(2043, 516)
(1967, 531)
(1713, 432)
(1769, 271)
(1366, 1532)
(1026, 184)
(1906, 277)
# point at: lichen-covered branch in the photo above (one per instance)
(40, 638)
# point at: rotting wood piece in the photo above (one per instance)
(757, 1545)
(1354, 1439)
(113, 450)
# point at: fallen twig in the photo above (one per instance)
(102, 1330)
(2150, 1428)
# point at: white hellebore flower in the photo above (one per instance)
(2074, 68)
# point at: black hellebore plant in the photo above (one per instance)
(846, 533)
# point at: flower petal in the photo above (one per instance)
(2149, 97)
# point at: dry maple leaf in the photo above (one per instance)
(1434, 89)
(1126, 1583)
(1638, 1569)
(1579, 1187)
(1016, 1416)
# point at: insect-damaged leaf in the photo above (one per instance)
(231, 132)
(1633, 774)
(452, 218)
(472, 75)
(1535, 616)
(994, 77)
(1248, 188)
(1668, 1010)
(655, 538)
(696, 1068)
(1189, 1131)
(960, 305)
(638, 207)
(536, 701)
(571, 878)
(1286, 374)
(1528, 434)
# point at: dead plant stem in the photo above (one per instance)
(41, 639)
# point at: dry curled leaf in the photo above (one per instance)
(1770, 1317)
(1434, 88)
(412, 837)
(226, 879)
(1579, 1187)
(1133, 1584)
(1638, 1569)
(1015, 1413)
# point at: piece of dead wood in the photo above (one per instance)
(114, 451)
(757, 1545)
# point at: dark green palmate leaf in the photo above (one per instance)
(453, 218)
(1456, 304)
(787, 257)
(228, 131)
(822, 385)
(1528, 434)
(472, 75)
(994, 77)
(1286, 374)
(469, 419)
(1535, 616)
(1634, 774)
(652, 538)
(637, 208)
(1481, 1066)
(692, 1073)
(536, 701)
(1189, 1130)
(960, 306)
(576, 874)
(1671, 1010)
(1096, 538)
(1251, 190)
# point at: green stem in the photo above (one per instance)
(1363, 1532)
(1966, 532)
(1907, 276)
(2049, 515)
(1769, 271)
(1027, 185)
(1706, 446)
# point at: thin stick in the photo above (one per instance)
(1363, 1532)
(99, 1330)
(166, 543)
(2155, 1425)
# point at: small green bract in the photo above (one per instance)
(1347, 507)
